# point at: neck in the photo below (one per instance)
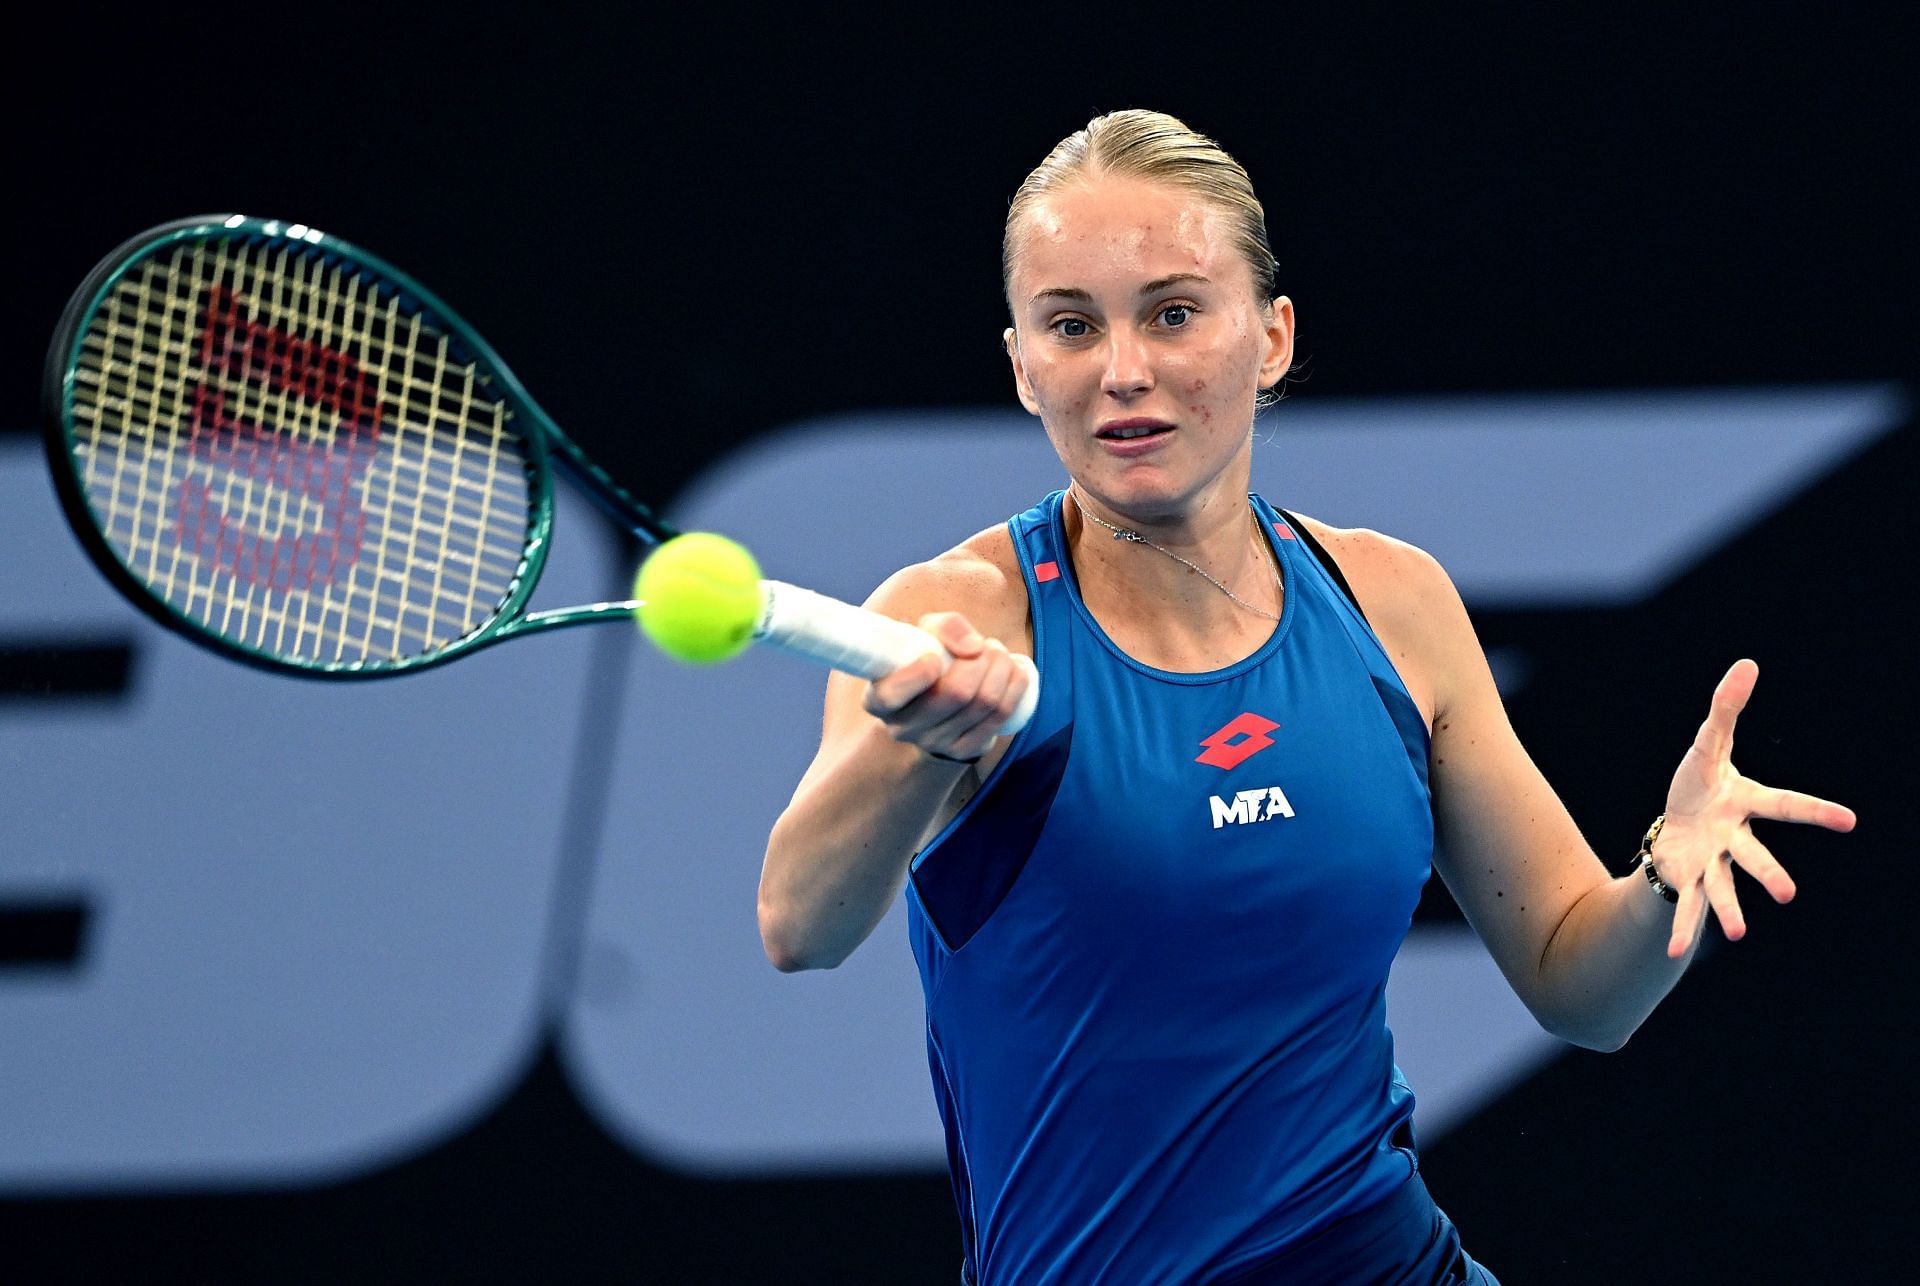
(1188, 529)
(1213, 563)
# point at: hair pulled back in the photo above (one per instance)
(1157, 148)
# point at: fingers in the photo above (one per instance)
(955, 632)
(970, 729)
(1756, 861)
(893, 692)
(1730, 696)
(1717, 881)
(958, 713)
(1687, 917)
(1792, 806)
(1714, 890)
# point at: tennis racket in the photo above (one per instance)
(290, 452)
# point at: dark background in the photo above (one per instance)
(689, 229)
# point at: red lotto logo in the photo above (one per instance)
(1223, 751)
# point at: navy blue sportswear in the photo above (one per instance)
(1154, 946)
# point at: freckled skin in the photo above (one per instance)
(1103, 239)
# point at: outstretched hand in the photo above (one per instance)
(1706, 834)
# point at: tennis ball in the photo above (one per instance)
(699, 597)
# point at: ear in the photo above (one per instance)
(1010, 341)
(1279, 339)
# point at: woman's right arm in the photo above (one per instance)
(839, 853)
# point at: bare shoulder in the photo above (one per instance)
(979, 578)
(1398, 575)
(1407, 597)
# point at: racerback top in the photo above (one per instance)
(1154, 945)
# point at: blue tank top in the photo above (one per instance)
(1154, 945)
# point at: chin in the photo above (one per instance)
(1153, 492)
(1145, 501)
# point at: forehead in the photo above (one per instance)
(1120, 227)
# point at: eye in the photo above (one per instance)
(1177, 315)
(1072, 328)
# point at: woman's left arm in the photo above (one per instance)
(1590, 954)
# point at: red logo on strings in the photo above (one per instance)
(1238, 742)
(230, 450)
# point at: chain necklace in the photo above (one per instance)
(1125, 533)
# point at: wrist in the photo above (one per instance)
(950, 759)
(1648, 868)
(908, 764)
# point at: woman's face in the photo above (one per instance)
(1139, 342)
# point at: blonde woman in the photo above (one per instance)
(1154, 928)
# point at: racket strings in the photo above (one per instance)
(296, 460)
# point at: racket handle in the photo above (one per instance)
(857, 641)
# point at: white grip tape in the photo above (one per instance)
(857, 641)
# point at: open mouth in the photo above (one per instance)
(1127, 432)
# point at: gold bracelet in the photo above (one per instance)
(1644, 858)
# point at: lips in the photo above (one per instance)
(1133, 439)
(1132, 429)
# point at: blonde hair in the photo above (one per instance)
(1160, 149)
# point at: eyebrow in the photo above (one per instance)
(1153, 287)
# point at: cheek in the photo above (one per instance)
(1225, 380)
(1057, 392)
(1197, 403)
(1072, 410)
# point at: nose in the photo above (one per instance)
(1129, 370)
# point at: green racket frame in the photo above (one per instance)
(546, 447)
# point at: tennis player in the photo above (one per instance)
(1154, 928)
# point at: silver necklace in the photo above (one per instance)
(1126, 533)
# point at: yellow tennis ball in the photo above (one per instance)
(699, 597)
